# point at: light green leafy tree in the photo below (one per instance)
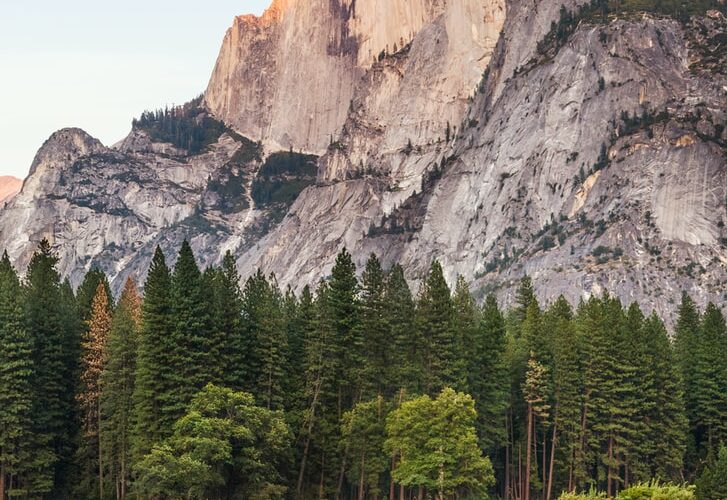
(436, 442)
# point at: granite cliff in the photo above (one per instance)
(500, 137)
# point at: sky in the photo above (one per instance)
(96, 64)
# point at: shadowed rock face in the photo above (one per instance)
(594, 163)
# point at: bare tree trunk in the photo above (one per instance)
(528, 452)
(323, 471)
(392, 489)
(609, 489)
(507, 457)
(519, 472)
(2, 481)
(402, 492)
(361, 487)
(543, 464)
(421, 493)
(552, 460)
(100, 453)
(306, 449)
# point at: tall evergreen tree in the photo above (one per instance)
(154, 382)
(53, 381)
(434, 321)
(189, 358)
(93, 362)
(568, 400)
(16, 373)
(407, 369)
(488, 376)
(686, 337)
(668, 422)
(710, 367)
(117, 381)
(465, 322)
(228, 350)
(266, 349)
(377, 366)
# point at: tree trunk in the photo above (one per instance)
(402, 492)
(507, 458)
(609, 490)
(421, 493)
(543, 464)
(528, 452)
(392, 489)
(2, 481)
(100, 454)
(361, 487)
(323, 471)
(552, 460)
(519, 472)
(306, 448)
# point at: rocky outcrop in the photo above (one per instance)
(498, 137)
(288, 78)
(9, 187)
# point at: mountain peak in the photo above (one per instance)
(65, 145)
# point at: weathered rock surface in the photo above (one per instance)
(593, 163)
(9, 187)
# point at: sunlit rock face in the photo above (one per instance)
(289, 77)
(9, 187)
(453, 130)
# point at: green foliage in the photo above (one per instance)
(188, 127)
(16, 372)
(436, 442)
(223, 439)
(56, 352)
(153, 380)
(118, 387)
(282, 178)
(434, 320)
(363, 433)
(711, 485)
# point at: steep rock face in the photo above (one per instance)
(593, 164)
(288, 77)
(591, 156)
(110, 207)
(9, 187)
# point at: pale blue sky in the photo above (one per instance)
(96, 64)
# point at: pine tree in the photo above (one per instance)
(535, 391)
(375, 373)
(407, 368)
(87, 291)
(668, 422)
(434, 321)
(53, 380)
(228, 349)
(189, 358)
(489, 377)
(153, 380)
(16, 373)
(465, 321)
(264, 328)
(568, 401)
(343, 314)
(710, 367)
(686, 336)
(524, 296)
(320, 432)
(94, 359)
(117, 381)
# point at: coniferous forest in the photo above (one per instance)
(208, 386)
